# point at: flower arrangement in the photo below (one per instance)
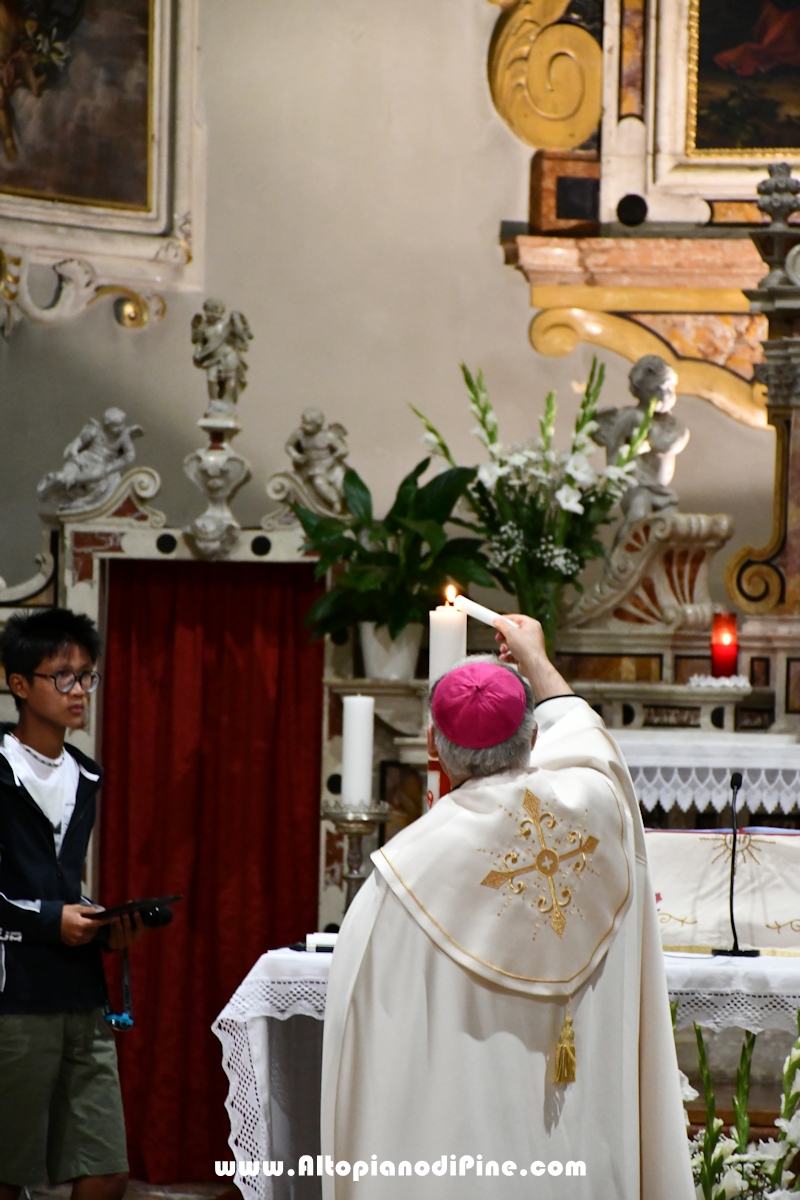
(538, 508)
(724, 1167)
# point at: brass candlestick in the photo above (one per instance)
(355, 824)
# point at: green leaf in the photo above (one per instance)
(430, 532)
(406, 493)
(315, 526)
(338, 549)
(358, 497)
(436, 500)
(466, 570)
(371, 579)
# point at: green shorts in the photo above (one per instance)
(60, 1103)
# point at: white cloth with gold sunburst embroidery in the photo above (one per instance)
(449, 987)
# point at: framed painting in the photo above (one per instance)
(698, 96)
(76, 100)
(744, 78)
(85, 109)
(101, 154)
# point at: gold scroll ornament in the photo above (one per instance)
(546, 79)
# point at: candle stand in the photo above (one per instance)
(355, 825)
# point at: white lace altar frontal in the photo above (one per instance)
(748, 993)
(685, 766)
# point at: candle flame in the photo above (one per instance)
(451, 593)
(726, 639)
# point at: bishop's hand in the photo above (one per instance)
(522, 642)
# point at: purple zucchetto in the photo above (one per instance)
(479, 705)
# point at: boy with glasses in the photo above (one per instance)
(60, 1104)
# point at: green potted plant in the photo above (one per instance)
(389, 573)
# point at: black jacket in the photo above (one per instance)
(38, 972)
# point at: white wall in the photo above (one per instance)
(357, 177)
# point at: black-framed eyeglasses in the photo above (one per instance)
(65, 680)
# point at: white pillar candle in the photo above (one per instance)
(448, 640)
(465, 605)
(357, 737)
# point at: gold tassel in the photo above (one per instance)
(565, 1053)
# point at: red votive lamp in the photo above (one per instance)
(724, 645)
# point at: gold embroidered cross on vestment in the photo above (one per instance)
(548, 862)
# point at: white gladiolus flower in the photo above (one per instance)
(581, 470)
(770, 1151)
(791, 1128)
(687, 1091)
(569, 498)
(732, 1184)
(781, 1195)
(488, 473)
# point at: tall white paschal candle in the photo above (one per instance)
(357, 738)
(448, 640)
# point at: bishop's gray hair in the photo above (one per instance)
(513, 754)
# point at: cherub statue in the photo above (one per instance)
(318, 452)
(94, 463)
(220, 344)
(651, 378)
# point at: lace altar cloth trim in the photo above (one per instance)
(282, 984)
(765, 788)
(748, 993)
(281, 998)
(723, 1010)
(248, 1138)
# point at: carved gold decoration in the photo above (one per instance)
(547, 862)
(545, 78)
(557, 332)
(132, 310)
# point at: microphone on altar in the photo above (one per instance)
(735, 952)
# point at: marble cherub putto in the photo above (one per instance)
(318, 452)
(651, 378)
(220, 343)
(93, 466)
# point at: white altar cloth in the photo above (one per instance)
(282, 984)
(691, 876)
(749, 993)
(687, 766)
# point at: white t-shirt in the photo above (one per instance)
(52, 782)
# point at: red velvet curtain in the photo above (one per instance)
(211, 744)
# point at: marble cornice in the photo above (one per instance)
(665, 263)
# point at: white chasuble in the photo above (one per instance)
(515, 900)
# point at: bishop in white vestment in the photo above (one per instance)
(497, 1021)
